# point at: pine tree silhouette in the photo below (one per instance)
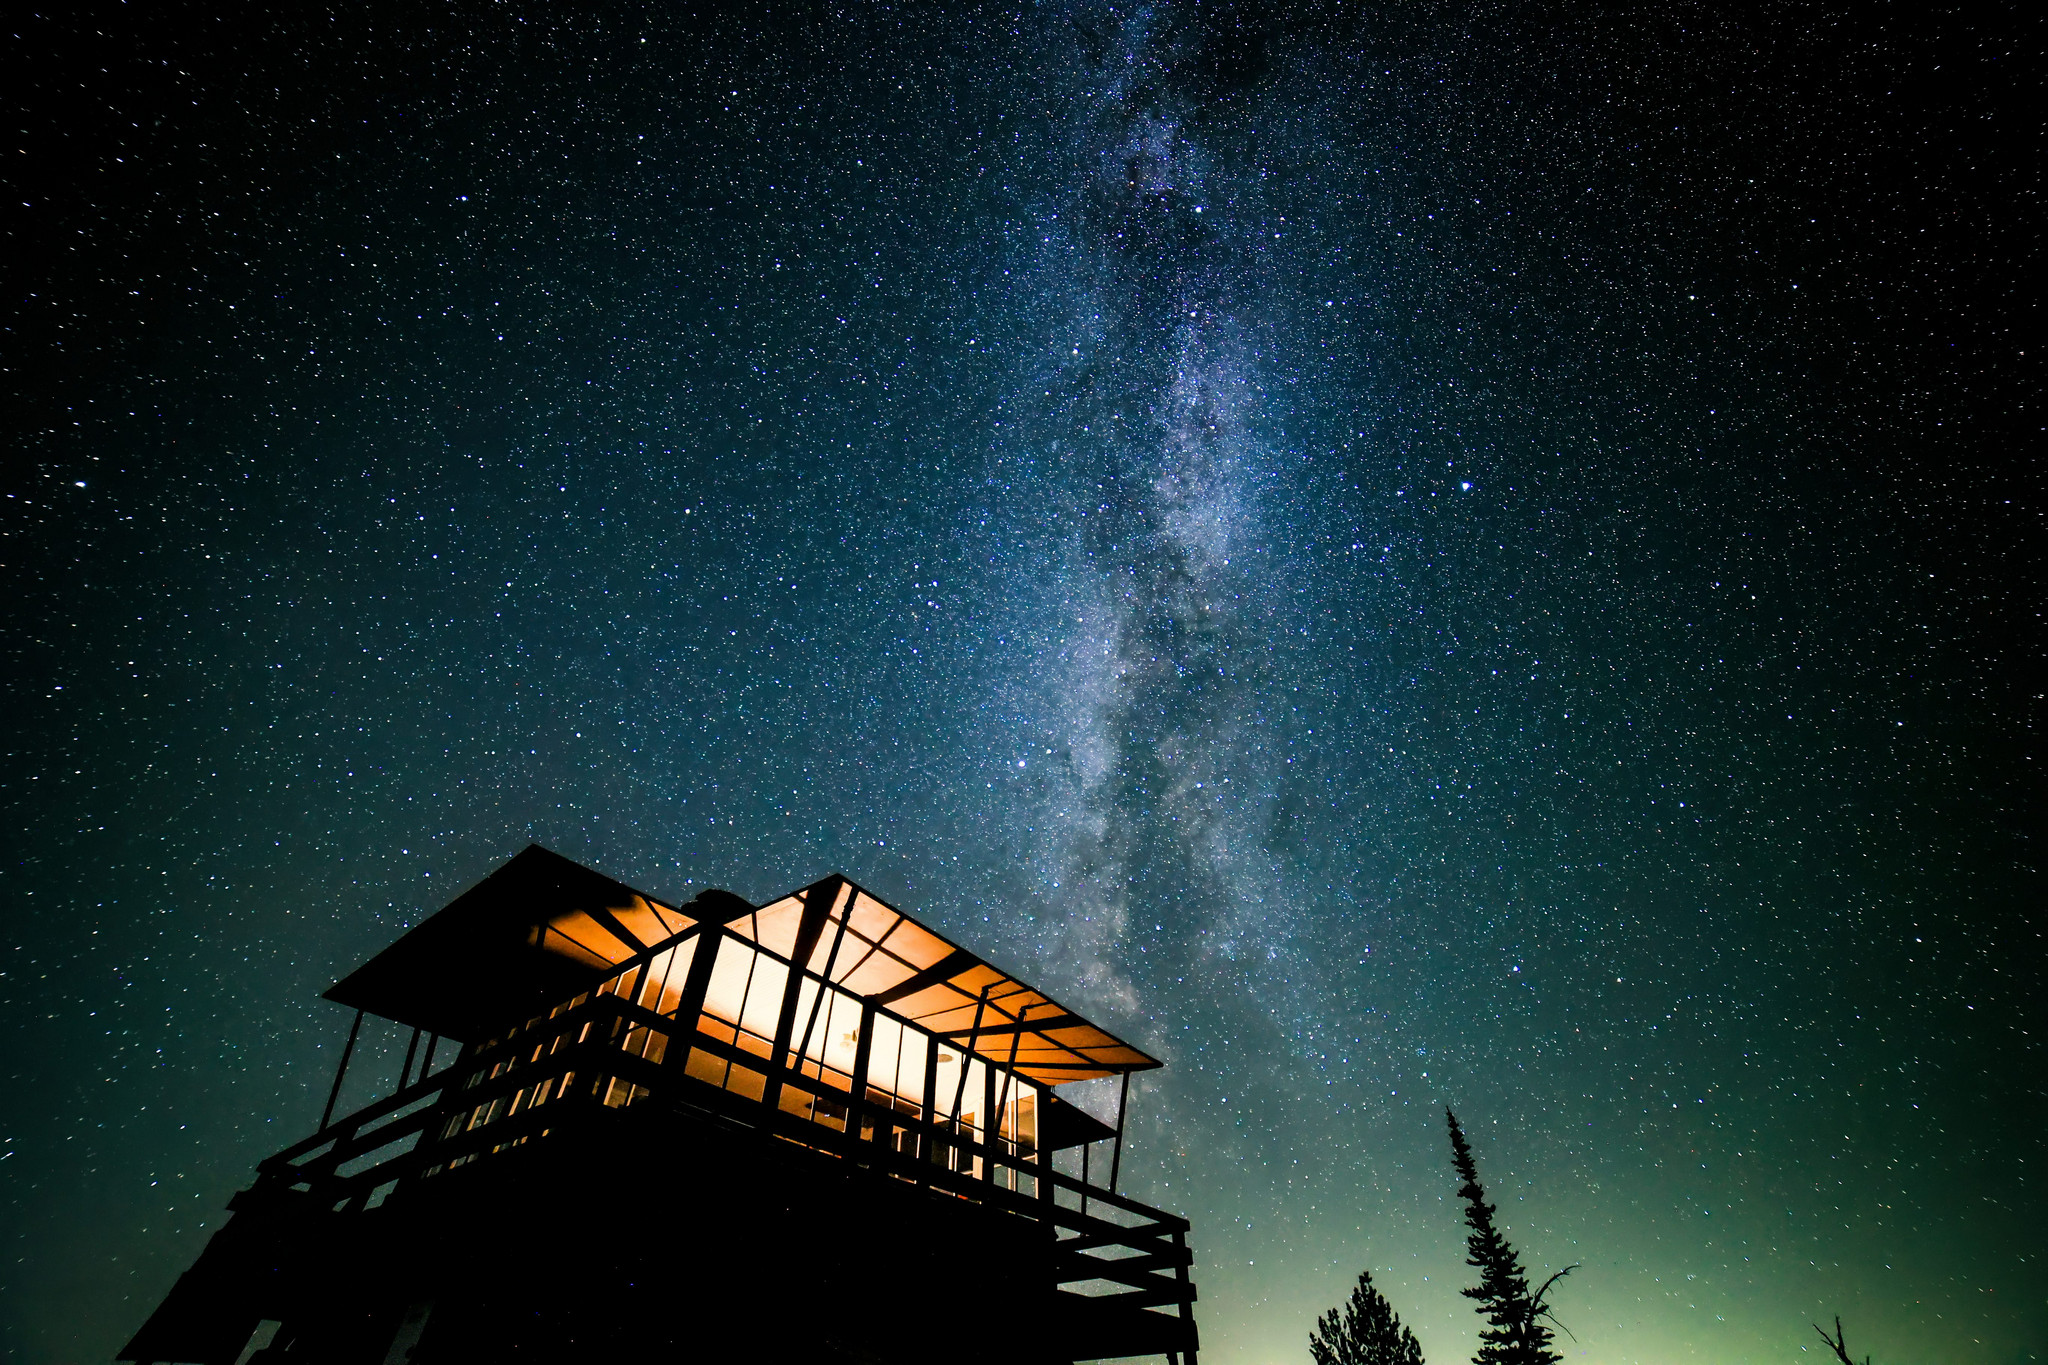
(1364, 1332)
(1515, 1333)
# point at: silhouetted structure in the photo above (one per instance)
(814, 1130)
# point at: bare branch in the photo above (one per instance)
(1539, 1309)
(1538, 1297)
(1838, 1343)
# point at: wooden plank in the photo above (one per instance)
(1168, 1259)
(1075, 1269)
(1138, 1298)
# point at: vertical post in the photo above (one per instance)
(966, 1065)
(967, 1053)
(863, 1054)
(928, 1133)
(405, 1072)
(991, 1124)
(817, 905)
(427, 1062)
(821, 999)
(347, 1050)
(1116, 1159)
(1001, 1102)
(1180, 1275)
(709, 939)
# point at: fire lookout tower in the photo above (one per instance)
(810, 1130)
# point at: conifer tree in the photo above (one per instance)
(1364, 1331)
(1515, 1333)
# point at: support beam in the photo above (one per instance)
(945, 969)
(863, 1056)
(694, 987)
(998, 1104)
(1116, 1160)
(818, 1001)
(990, 1127)
(405, 1072)
(818, 904)
(347, 1050)
(1018, 1026)
(931, 1098)
(967, 1061)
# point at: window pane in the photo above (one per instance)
(763, 1004)
(882, 1053)
(949, 1082)
(727, 991)
(743, 1081)
(706, 1067)
(910, 1069)
(806, 1001)
(842, 1038)
(663, 990)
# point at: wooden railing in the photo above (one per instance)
(1106, 1245)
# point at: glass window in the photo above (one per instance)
(883, 1054)
(705, 1067)
(1020, 1118)
(727, 991)
(763, 1006)
(748, 1082)
(842, 1038)
(827, 1034)
(662, 990)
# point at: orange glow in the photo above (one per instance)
(880, 950)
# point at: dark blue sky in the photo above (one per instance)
(1452, 554)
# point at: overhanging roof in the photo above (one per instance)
(538, 931)
(542, 929)
(877, 952)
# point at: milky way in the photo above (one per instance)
(1401, 559)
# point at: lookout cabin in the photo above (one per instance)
(627, 1130)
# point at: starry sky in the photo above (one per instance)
(1451, 553)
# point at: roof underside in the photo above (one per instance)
(534, 933)
(877, 952)
(542, 929)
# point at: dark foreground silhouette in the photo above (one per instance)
(1365, 1330)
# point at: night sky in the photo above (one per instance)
(1454, 554)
